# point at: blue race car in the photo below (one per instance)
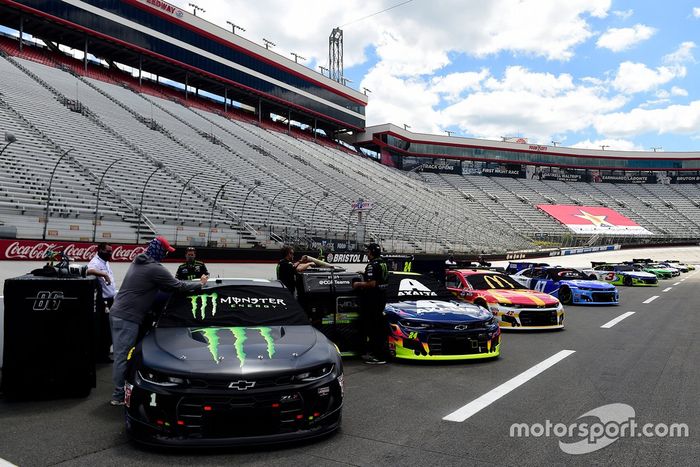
(570, 286)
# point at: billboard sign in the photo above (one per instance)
(593, 220)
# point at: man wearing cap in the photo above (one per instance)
(144, 279)
(191, 269)
(372, 295)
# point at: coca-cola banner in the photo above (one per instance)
(35, 250)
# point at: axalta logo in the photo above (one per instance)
(412, 287)
(204, 302)
(217, 336)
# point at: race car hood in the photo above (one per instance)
(595, 285)
(438, 311)
(234, 350)
(523, 297)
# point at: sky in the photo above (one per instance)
(583, 73)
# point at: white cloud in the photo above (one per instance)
(623, 14)
(677, 119)
(537, 105)
(636, 77)
(619, 39)
(676, 91)
(683, 54)
(696, 12)
(453, 85)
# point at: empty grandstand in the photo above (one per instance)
(144, 134)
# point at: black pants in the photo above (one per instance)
(373, 323)
(103, 334)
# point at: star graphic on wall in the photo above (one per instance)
(595, 220)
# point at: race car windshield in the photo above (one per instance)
(409, 287)
(568, 274)
(491, 281)
(624, 268)
(233, 305)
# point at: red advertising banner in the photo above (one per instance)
(35, 250)
(593, 220)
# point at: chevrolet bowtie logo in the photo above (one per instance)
(241, 385)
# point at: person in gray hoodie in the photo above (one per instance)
(145, 277)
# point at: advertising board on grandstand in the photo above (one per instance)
(36, 250)
(362, 205)
(593, 220)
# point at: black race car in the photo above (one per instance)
(235, 364)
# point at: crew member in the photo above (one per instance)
(287, 267)
(99, 266)
(372, 297)
(145, 277)
(191, 269)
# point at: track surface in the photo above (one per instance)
(393, 414)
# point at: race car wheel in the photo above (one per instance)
(565, 296)
(593, 277)
(627, 281)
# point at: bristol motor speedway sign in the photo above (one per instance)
(36, 250)
(593, 220)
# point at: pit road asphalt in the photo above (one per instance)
(393, 414)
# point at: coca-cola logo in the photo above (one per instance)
(126, 253)
(29, 250)
(17, 250)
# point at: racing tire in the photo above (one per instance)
(627, 280)
(565, 296)
(593, 277)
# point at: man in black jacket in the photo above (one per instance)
(145, 277)
(191, 269)
(372, 296)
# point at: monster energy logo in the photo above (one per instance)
(200, 302)
(195, 299)
(240, 336)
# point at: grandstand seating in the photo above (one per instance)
(52, 104)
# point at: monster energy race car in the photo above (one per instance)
(236, 363)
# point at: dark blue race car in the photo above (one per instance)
(570, 286)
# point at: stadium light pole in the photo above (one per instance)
(603, 146)
(297, 57)
(213, 207)
(297, 201)
(555, 143)
(334, 210)
(143, 192)
(257, 183)
(381, 217)
(97, 201)
(48, 193)
(366, 91)
(196, 8)
(9, 139)
(406, 127)
(179, 203)
(323, 68)
(449, 133)
(234, 27)
(655, 148)
(269, 43)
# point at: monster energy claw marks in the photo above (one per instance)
(240, 336)
(213, 297)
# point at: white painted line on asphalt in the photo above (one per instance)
(650, 299)
(4, 463)
(493, 395)
(613, 322)
(682, 280)
(676, 283)
(667, 289)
